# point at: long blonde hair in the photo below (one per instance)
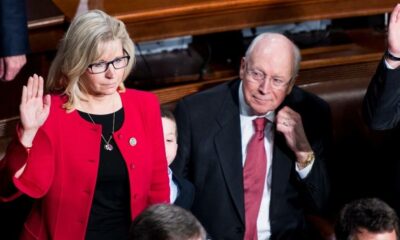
(80, 47)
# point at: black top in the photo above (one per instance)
(110, 213)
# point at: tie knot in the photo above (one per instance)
(259, 124)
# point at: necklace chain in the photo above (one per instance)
(107, 144)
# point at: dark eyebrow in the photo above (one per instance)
(103, 61)
(100, 61)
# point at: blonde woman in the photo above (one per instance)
(91, 153)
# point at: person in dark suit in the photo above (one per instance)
(182, 191)
(381, 110)
(13, 38)
(214, 130)
(382, 98)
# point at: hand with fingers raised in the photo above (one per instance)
(394, 37)
(34, 109)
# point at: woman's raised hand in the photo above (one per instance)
(34, 109)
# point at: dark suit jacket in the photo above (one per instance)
(209, 155)
(186, 192)
(381, 112)
(13, 28)
(381, 102)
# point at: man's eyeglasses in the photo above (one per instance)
(259, 76)
(101, 67)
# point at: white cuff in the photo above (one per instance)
(303, 173)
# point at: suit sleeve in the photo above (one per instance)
(319, 132)
(381, 105)
(317, 187)
(13, 28)
(181, 162)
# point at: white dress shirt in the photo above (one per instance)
(247, 130)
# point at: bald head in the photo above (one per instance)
(276, 44)
(268, 71)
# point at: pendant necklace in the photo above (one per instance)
(107, 144)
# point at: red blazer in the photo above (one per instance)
(61, 168)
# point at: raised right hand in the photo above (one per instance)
(34, 109)
(394, 32)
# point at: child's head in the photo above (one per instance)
(170, 134)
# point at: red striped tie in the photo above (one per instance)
(254, 173)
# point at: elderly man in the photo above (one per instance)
(255, 147)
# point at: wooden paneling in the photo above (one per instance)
(45, 24)
(149, 20)
(307, 77)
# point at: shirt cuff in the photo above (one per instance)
(388, 66)
(303, 173)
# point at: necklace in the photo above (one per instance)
(107, 144)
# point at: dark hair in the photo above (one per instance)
(166, 222)
(166, 113)
(371, 214)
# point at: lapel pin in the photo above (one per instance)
(132, 141)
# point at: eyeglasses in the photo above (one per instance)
(101, 67)
(260, 76)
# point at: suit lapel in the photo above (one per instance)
(281, 167)
(229, 149)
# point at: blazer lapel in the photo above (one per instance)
(229, 149)
(281, 167)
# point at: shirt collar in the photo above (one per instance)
(169, 173)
